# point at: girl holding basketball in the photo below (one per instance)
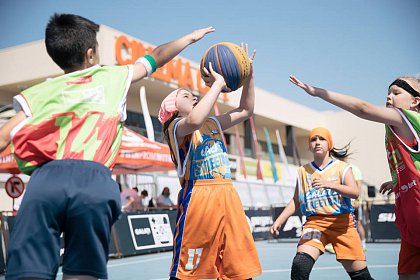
(323, 192)
(402, 119)
(212, 238)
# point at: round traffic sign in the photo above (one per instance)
(14, 187)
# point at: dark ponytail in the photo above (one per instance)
(341, 153)
(168, 140)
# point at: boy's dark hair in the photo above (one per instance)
(68, 37)
(145, 193)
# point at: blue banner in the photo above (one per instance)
(271, 155)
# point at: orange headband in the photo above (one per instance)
(324, 133)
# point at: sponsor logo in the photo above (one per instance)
(142, 231)
(94, 95)
(81, 80)
(150, 231)
(386, 217)
(406, 187)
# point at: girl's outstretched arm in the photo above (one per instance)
(358, 107)
(290, 209)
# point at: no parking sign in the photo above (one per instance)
(14, 186)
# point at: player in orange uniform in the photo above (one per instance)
(212, 237)
(323, 192)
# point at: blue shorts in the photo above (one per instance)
(76, 197)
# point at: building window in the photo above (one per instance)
(228, 143)
(248, 142)
(264, 147)
(135, 122)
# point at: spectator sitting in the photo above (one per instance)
(143, 198)
(164, 200)
(130, 200)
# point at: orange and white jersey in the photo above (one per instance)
(323, 201)
(202, 155)
(207, 194)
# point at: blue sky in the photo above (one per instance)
(356, 47)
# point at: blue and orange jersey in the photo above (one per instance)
(78, 115)
(202, 155)
(323, 201)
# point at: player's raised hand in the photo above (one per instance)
(212, 76)
(244, 46)
(200, 33)
(309, 89)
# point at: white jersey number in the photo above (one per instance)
(193, 258)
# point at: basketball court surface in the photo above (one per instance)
(276, 258)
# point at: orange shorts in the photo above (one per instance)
(339, 230)
(409, 260)
(212, 236)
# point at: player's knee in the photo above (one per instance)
(302, 266)
(360, 274)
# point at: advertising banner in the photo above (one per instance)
(145, 232)
(382, 226)
(259, 222)
(292, 228)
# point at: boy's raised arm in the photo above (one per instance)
(162, 54)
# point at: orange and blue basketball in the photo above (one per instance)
(230, 61)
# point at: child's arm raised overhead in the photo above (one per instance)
(246, 105)
(195, 119)
(358, 107)
(162, 54)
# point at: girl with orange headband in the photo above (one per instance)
(323, 192)
(222, 246)
(402, 126)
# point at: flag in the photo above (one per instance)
(271, 155)
(147, 119)
(282, 154)
(256, 148)
(240, 152)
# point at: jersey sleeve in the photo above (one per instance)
(123, 104)
(412, 119)
(20, 104)
(357, 174)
